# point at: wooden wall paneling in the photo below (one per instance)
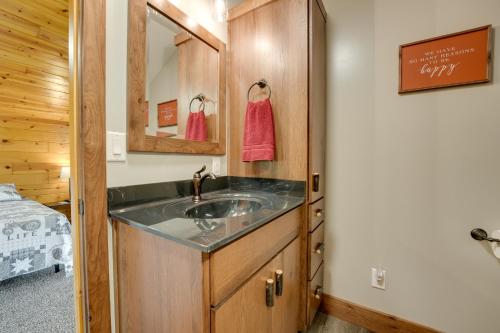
(34, 97)
(30, 157)
(31, 123)
(197, 73)
(370, 319)
(245, 7)
(92, 164)
(31, 135)
(275, 51)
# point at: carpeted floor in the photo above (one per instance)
(40, 302)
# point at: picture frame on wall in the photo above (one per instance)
(456, 59)
(167, 113)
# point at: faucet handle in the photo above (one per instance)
(201, 170)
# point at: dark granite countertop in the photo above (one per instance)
(160, 208)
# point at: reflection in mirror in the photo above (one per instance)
(181, 82)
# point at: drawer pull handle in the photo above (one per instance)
(318, 212)
(279, 282)
(315, 182)
(319, 248)
(318, 292)
(270, 292)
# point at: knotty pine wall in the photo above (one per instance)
(34, 100)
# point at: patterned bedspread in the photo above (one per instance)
(33, 237)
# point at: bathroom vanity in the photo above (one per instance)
(229, 263)
(182, 265)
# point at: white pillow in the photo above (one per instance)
(8, 193)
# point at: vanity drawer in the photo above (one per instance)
(316, 214)
(314, 294)
(232, 265)
(316, 249)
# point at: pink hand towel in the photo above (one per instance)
(196, 128)
(258, 136)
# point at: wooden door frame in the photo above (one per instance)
(88, 160)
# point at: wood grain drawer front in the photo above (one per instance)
(246, 311)
(316, 249)
(314, 295)
(232, 265)
(316, 214)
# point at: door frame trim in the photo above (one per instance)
(88, 146)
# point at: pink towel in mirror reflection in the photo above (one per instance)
(196, 128)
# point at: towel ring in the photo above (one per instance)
(201, 98)
(262, 83)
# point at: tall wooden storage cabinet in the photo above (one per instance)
(284, 42)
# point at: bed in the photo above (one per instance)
(33, 237)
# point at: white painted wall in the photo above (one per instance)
(142, 168)
(411, 175)
(163, 87)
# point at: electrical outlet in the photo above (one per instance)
(216, 165)
(378, 278)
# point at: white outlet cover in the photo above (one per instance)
(116, 147)
(374, 282)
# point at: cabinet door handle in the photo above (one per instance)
(318, 292)
(319, 248)
(318, 212)
(315, 182)
(270, 292)
(279, 282)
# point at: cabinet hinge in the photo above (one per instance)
(81, 207)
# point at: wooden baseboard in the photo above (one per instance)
(370, 319)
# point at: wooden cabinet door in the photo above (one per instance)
(286, 307)
(246, 311)
(317, 101)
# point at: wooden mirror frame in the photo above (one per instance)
(137, 139)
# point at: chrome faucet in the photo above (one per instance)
(198, 181)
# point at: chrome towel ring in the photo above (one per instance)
(262, 83)
(200, 97)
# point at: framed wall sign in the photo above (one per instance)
(451, 60)
(167, 113)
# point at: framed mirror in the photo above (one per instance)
(175, 82)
